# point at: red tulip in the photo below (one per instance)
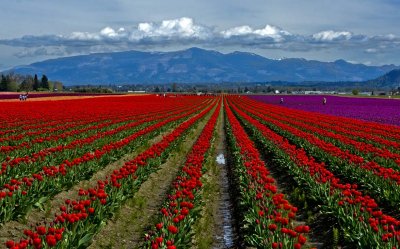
(51, 240)
(41, 230)
(10, 244)
(272, 227)
(159, 226)
(173, 229)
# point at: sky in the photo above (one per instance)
(358, 31)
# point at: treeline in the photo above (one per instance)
(90, 89)
(16, 83)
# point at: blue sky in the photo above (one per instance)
(359, 31)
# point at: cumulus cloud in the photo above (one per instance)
(184, 31)
(331, 35)
(275, 33)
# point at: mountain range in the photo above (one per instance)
(195, 65)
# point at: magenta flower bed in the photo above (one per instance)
(385, 111)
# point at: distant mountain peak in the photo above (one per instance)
(341, 61)
(198, 49)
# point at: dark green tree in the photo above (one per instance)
(26, 84)
(8, 83)
(36, 83)
(3, 83)
(12, 86)
(44, 82)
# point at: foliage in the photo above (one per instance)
(89, 89)
(36, 83)
(8, 83)
(44, 83)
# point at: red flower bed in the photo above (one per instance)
(82, 217)
(179, 211)
(22, 193)
(360, 218)
(356, 159)
(269, 216)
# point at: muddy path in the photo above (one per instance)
(216, 227)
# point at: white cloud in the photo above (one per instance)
(108, 32)
(237, 31)
(175, 28)
(82, 36)
(185, 31)
(332, 35)
(267, 32)
(181, 27)
(145, 27)
(105, 33)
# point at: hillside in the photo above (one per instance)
(195, 65)
(390, 79)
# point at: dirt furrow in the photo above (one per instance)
(215, 228)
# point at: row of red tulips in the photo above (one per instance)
(63, 128)
(80, 219)
(17, 118)
(382, 182)
(38, 153)
(268, 218)
(347, 130)
(27, 127)
(20, 195)
(58, 153)
(366, 130)
(60, 133)
(362, 222)
(310, 124)
(42, 132)
(181, 208)
(48, 114)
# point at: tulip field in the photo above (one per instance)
(126, 171)
(382, 110)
